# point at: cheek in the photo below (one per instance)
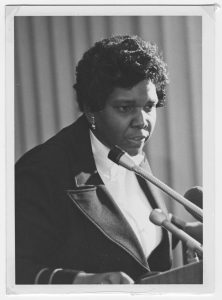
(112, 127)
(152, 121)
(115, 127)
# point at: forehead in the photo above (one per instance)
(142, 92)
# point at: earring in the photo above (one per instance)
(93, 124)
(91, 119)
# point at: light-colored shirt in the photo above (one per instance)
(123, 185)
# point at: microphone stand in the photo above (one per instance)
(120, 157)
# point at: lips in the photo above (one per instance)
(139, 137)
(137, 140)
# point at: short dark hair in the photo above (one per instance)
(119, 61)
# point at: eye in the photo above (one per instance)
(124, 108)
(149, 107)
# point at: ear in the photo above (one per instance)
(89, 116)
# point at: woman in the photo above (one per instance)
(79, 217)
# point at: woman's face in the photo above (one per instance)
(128, 118)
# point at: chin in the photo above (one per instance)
(134, 152)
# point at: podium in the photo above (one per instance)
(188, 274)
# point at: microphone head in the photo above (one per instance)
(195, 195)
(115, 154)
(157, 217)
(122, 158)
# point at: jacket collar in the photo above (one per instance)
(93, 199)
(96, 203)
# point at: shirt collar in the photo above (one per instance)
(105, 165)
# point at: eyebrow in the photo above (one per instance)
(123, 101)
(127, 101)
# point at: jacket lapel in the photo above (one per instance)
(156, 200)
(153, 193)
(93, 199)
(96, 203)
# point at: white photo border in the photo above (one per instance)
(208, 16)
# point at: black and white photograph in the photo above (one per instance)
(112, 177)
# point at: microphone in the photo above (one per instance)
(181, 224)
(194, 229)
(120, 157)
(158, 218)
(195, 195)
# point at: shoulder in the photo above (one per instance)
(58, 153)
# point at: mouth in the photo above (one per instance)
(137, 140)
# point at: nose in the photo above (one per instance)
(140, 119)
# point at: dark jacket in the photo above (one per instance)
(65, 217)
